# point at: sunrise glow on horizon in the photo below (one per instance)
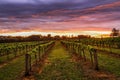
(91, 33)
(59, 17)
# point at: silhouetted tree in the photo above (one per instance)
(49, 35)
(115, 32)
(34, 37)
(83, 36)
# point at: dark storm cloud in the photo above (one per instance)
(41, 6)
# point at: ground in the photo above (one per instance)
(60, 66)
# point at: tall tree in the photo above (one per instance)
(115, 32)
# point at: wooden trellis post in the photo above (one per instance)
(39, 52)
(15, 52)
(36, 58)
(96, 60)
(91, 56)
(7, 51)
(84, 54)
(27, 64)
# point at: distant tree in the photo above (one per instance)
(57, 37)
(34, 37)
(64, 37)
(49, 35)
(115, 32)
(83, 36)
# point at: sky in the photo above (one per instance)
(63, 17)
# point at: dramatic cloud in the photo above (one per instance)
(59, 15)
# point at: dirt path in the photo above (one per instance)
(60, 66)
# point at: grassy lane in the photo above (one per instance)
(59, 66)
(14, 69)
(112, 50)
(108, 63)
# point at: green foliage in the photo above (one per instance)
(106, 62)
(60, 67)
(13, 69)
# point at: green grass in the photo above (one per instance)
(3, 59)
(113, 50)
(107, 63)
(60, 66)
(13, 69)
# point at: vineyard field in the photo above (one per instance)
(69, 59)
